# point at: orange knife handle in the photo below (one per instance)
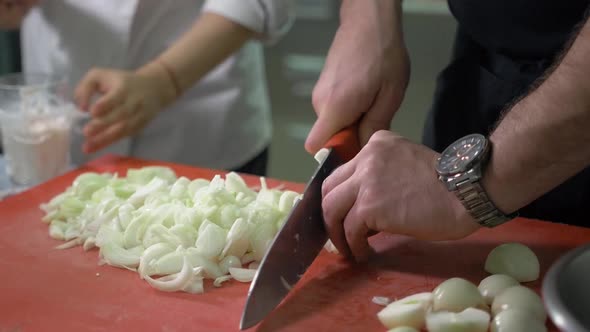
(345, 143)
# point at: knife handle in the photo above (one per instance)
(345, 143)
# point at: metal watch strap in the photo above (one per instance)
(476, 201)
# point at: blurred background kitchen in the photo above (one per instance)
(294, 64)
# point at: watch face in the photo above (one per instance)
(459, 156)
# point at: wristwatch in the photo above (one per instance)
(460, 167)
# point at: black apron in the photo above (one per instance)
(471, 93)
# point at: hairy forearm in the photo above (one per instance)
(209, 42)
(545, 138)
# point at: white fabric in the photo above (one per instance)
(222, 122)
(271, 18)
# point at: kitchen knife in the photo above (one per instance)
(301, 238)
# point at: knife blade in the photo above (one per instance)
(301, 238)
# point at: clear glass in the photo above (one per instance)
(36, 112)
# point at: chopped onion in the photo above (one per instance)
(330, 247)
(237, 241)
(229, 261)
(150, 255)
(179, 188)
(457, 305)
(242, 275)
(71, 232)
(228, 214)
(168, 264)
(261, 239)
(468, 320)
(254, 265)
(153, 221)
(135, 231)
(148, 173)
(219, 280)
(456, 295)
(512, 320)
(321, 155)
(89, 244)
(104, 216)
(235, 183)
(287, 201)
(143, 192)
(493, 285)
(515, 260)
(212, 269)
(381, 300)
(69, 244)
(409, 311)
(247, 258)
(158, 233)
(125, 214)
(116, 255)
(521, 298)
(268, 197)
(263, 185)
(195, 285)
(108, 235)
(174, 282)
(52, 215)
(211, 241)
(197, 185)
(403, 329)
(56, 230)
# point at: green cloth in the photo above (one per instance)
(10, 61)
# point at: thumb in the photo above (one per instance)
(330, 121)
(378, 117)
(87, 87)
(321, 131)
(334, 114)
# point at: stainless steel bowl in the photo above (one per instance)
(566, 291)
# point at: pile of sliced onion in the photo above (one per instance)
(499, 304)
(175, 232)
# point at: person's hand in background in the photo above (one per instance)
(12, 12)
(127, 102)
(390, 186)
(366, 72)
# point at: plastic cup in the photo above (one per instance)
(36, 113)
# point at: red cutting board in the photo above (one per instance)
(42, 289)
